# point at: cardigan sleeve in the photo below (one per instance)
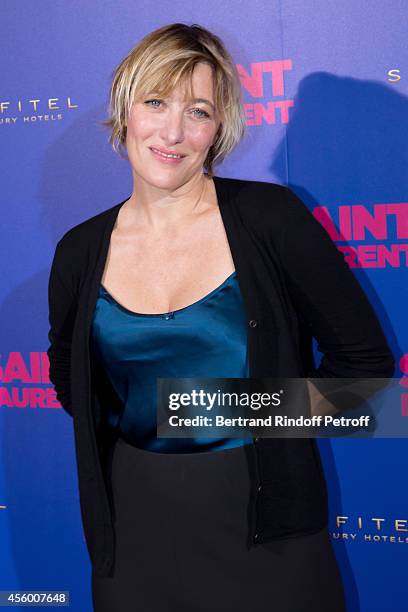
(332, 303)
(62, 310)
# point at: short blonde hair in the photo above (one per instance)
(159, 62)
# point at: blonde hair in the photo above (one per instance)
(159, 62)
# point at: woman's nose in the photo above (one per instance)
(173, 127)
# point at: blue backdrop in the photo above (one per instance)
(326, 106)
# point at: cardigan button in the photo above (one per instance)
(253, 323)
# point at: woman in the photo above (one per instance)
(199, 276)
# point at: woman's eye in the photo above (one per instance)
(149, 101)
(200, 112)
(203, 113)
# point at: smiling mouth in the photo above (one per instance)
(165, 155)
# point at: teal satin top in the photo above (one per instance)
(205, 339)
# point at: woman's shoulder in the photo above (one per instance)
(248, 187)
(88, 230)
(79, 243)
(261, 201)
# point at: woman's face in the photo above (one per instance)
(173, 125)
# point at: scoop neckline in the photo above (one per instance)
(170, 312)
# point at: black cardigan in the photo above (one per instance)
(295, 284)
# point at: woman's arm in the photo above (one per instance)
(62, 311)
(329, 299)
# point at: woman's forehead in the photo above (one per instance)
(189, 86)
(199, 94)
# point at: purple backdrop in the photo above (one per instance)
(326, 107)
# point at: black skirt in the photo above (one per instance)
(181, 527)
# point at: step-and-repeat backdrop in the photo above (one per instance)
(325, 93)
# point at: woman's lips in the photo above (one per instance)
(164, 159)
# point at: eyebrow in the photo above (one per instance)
(204, 101)
(196, 100)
